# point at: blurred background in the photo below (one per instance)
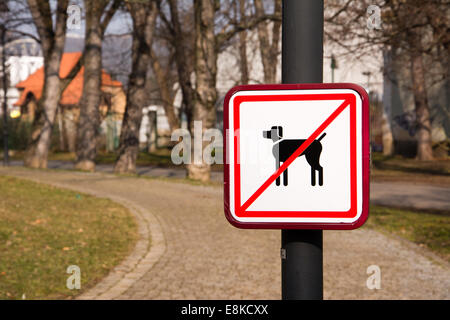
(402, 63)
(102, 85)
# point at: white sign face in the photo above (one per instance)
(295, 157)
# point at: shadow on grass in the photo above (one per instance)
(397, 163)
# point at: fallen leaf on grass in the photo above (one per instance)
(37, 221)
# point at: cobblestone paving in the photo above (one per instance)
(204, 257)
(408, 195)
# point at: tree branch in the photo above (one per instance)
(110, 14)
(225, 36)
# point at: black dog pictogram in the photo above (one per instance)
(284, 148)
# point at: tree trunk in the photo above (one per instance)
(61, 135)
(269, 49)
(89, 120)
(70, 128)
(386, 135)
(152, 137)
(243, 63)
(144, 17)
(52, 35)
(37, 152)
(166, 93)
(424, 142)
(386, 130)
(183, 63)
(205, 72)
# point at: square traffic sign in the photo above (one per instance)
(296, 156)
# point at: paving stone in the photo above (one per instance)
(198, 255)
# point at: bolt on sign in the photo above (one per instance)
(296, 156)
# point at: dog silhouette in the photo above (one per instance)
(284, 148)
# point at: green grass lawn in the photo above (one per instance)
(384, 168)
(44, 229)
(399, 163)
(427, 229)
(398, 168)
(161, 158)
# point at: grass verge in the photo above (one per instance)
(428, 229)
(160, 158)
(398, 168)
(44, 230)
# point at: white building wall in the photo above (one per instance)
(162, 124)
(19, 68)
(351, 67)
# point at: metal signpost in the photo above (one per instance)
(302, 62)
(297, 154)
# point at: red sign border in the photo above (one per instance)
(365, 161)
(350, 101)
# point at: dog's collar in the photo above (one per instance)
(278, 141)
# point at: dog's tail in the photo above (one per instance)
(321, 137)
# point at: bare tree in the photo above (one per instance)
(269, 41)
(196, 60)
(52, 34)
(3, 19)
(51, 28)
(205, 69)
(163, 78)
(417, 29)
(214, 26)
(243, 63)
(413, 37)
(144, 18)
(89, 120)
(183, 51)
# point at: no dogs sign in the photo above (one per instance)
(296, 156)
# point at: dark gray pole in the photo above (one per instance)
(302, 62)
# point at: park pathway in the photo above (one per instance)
(408, 195)
(196, 254)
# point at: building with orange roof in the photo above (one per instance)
(112, 105)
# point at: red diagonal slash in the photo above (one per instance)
(297, 153)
